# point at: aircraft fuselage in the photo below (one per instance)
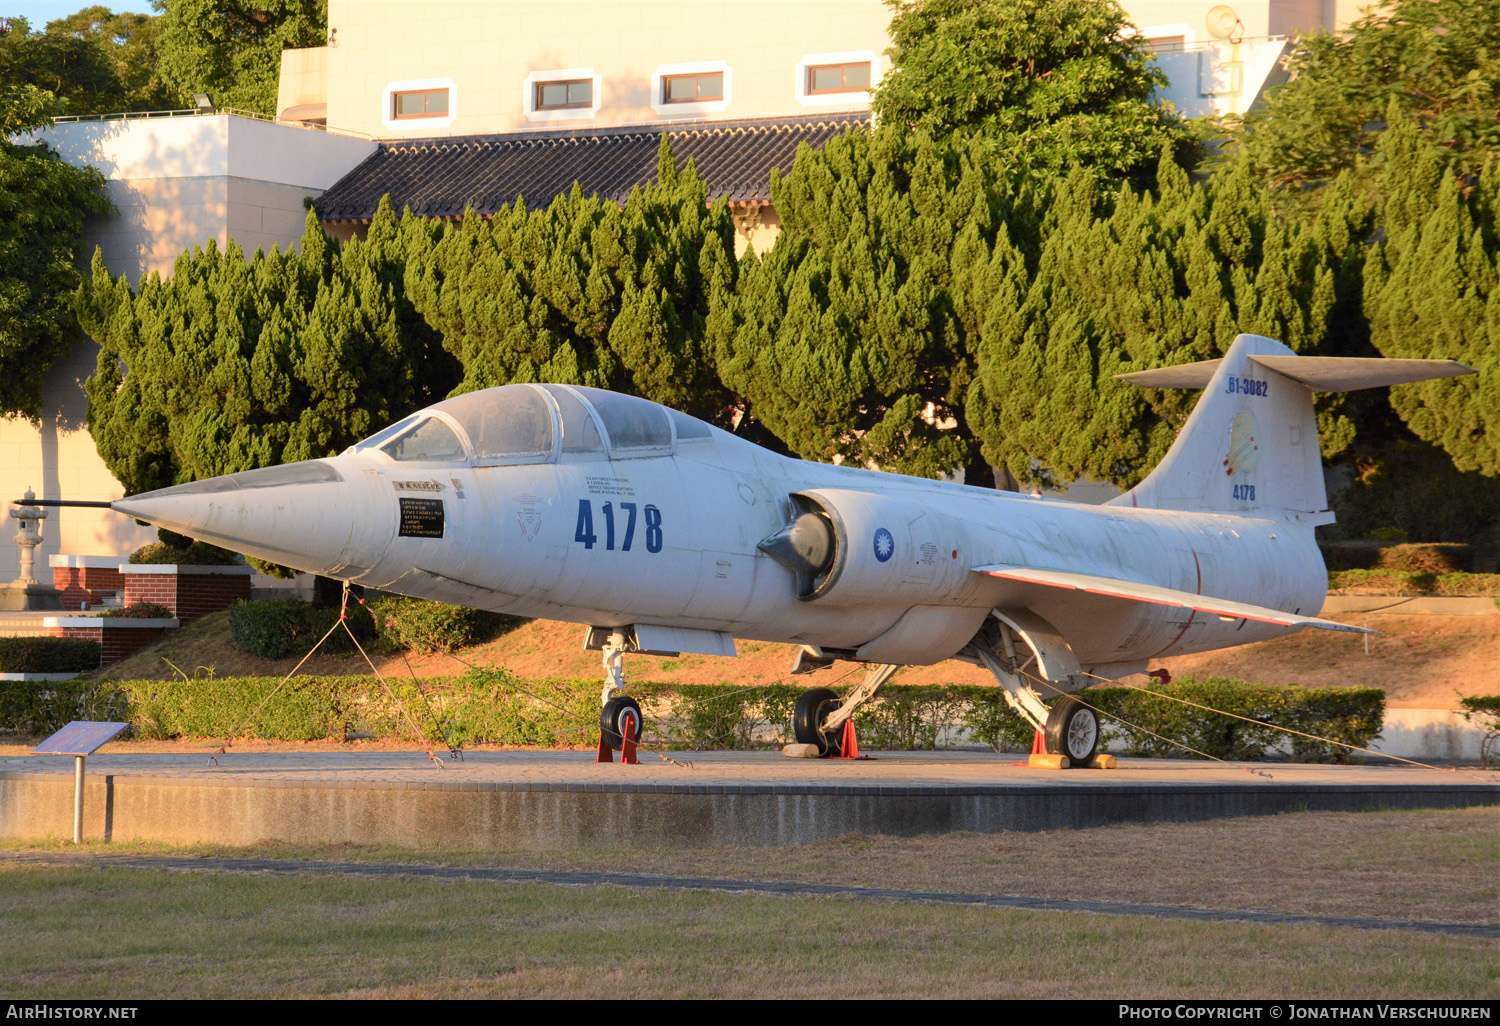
(671, 539)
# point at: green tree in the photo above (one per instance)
(1053, 84)
(43, 205)
(852, 340)
(1129, 281)
(229, 365)
(73, 68)
(232, 48)
(1432, 291)
(587, 292)
(1437, 61)
(128, 43)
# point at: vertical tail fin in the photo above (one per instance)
(1250, 447)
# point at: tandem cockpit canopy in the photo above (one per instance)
(516, 424)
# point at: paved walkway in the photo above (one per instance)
(910, 772)
(684, 883)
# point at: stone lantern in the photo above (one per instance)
(26, 592)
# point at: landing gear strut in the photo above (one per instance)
(1019, 645)
(620, 717)
(821, 720)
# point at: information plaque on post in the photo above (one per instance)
(80, 739)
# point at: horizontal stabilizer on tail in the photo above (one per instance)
(1135, 592)
(1184, 375)
(1319, 373)
(1250, 447)
(1350, 374)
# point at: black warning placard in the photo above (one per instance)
(421, 518)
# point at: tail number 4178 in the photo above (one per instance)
(619, 524)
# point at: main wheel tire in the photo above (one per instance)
(1072, 730)
(812, 706)
(611, 721)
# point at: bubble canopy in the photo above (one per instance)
(536, 424)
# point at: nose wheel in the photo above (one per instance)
(620, 719)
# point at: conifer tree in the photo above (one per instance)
(852, 339)
(1129, 281)
(1432, 291)
(584, 291)
(229, 365)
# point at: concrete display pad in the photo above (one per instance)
(563, 799)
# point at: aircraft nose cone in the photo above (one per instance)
(300, 515)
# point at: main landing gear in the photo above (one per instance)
(1017, 646)
(824, 726)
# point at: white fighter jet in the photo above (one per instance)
(663, 534)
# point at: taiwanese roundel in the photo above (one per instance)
(885, 545)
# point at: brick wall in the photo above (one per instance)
(80, 584)
(115, 643)
(187, 595)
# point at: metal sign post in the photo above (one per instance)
(80, 739)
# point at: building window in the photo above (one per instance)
(823, 79)
(1167, 44)
(420, 103)
(700, 88)
(420, 106)
(561, 94)
(836, 79)
(570, 95)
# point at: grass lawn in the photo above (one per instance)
(121, 933)
(1436, 864)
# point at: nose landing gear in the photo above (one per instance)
(620, 717)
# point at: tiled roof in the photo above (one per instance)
(440, 177)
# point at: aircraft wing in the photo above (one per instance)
(1130, 590)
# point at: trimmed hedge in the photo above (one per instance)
(48, 655)
(38, 709)
(491, 706)
(141, 611)
(193, 554)
(419, 624)
(284, 627)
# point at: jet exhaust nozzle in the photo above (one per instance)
(806, 546)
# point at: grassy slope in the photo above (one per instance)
(1420, 660)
